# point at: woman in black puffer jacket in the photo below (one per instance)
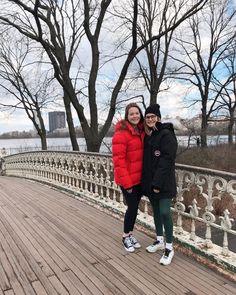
(158, 178)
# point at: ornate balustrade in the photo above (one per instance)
(202, 209)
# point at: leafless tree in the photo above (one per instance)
(155, 17)
(59, 27)
(226, 89)
(25, 86)
(202, 54)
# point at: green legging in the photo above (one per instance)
(162, 217)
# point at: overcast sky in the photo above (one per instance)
(171, 104)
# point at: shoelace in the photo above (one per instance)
(133, 240)
(167, 252)
(128, 242)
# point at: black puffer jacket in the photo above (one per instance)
(159, 162)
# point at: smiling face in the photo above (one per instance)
(134, 116)
(151, 119)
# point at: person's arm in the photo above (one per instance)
(167, 160)
(119, 151)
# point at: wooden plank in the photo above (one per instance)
(41, 247)
(88, 269)
(39, 289)
(74, 263)
(32, 230)
(15, 285)
(4, 281)
(25, 241)
(81, 248)
(80, 286)
(16, 261)
(1, 291)
(58, 285)
(123, 284)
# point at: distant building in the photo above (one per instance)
(57, 120)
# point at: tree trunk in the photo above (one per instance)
(153, 97)
(41, 130)
(43, 142)
(230, 128)
(204, 130)
(93, 144)
(70, 123)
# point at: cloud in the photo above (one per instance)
(14, 121)
(173, 102)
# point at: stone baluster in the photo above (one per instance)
(208, 218)
(211, 188)
(96, 181)
(114, 202)
(102, 181)
(179, 208)
(185, 180)
(226, 224)
(91, 180)
(121, 205)
(107, 189)
(80, 173)
(194, 214)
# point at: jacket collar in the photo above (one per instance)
(128, 127)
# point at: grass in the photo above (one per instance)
(220, 157)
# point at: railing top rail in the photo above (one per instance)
(206, 171)
(196, 169)
(59, 152)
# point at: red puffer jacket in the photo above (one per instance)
(127, 154)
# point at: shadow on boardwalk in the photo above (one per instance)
(53, 244)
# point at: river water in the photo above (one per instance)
(12, 146)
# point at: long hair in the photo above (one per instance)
(128, 107)
(148, 130)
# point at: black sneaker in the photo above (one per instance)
(128, 245)
(135, 243)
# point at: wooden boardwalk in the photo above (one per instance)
(53, 244)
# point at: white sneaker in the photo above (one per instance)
(128, 244)
(135, 243)
(167, 257)
(157, 245)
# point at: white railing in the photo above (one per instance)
(202, 209)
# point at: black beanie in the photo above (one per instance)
(153, 109)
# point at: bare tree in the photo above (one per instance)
(226, 89)
(202, 55)
(155, 16)
(59, 27)
(23, 89)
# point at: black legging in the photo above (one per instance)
(132, 201)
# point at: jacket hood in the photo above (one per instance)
(161, 126)
(127, 126)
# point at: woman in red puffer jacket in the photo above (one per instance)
(127, 155)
